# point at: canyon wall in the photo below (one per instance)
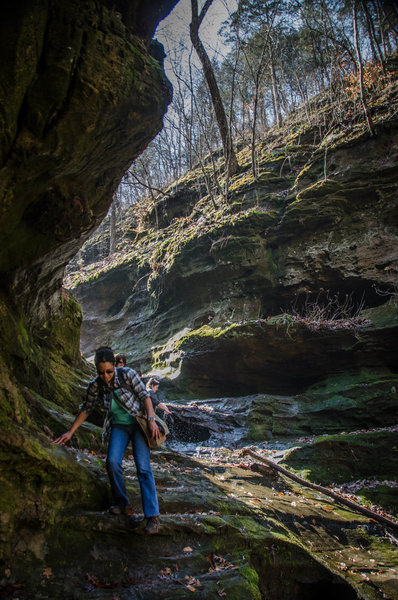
(82, 92)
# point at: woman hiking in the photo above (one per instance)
(123, 395)
(152, 388)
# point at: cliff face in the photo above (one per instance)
(264, 293)
(81, 96)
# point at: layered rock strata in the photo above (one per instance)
(266, 292)
(81, 95)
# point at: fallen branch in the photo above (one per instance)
(319, 488)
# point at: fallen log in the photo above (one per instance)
(319, 488)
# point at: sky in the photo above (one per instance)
(173, 32)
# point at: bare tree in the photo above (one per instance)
(113, 216)
(230, 157)
(360, 69)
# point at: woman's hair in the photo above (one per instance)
(152, 381)
(104, 354)
(121, 358)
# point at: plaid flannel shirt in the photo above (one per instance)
(131, 392)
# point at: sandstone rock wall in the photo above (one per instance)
(81, 95)
(199, 292)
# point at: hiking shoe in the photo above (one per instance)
(152, 525)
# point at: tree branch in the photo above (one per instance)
(319, 488)
(147, 186)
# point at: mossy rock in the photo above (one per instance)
(381, 495)
(347, 457)
(279, 355)
(38, 479)
(345, 402)
(243, 553)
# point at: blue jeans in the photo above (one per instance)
(121, 435)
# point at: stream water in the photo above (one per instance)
(223, 426)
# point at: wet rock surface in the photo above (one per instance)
(226, 530)
(215, 421)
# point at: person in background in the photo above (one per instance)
(121, 360)
(123, 395)
(144, 378)
(152, 386)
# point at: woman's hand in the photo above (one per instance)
(65, 437)
(164, 408)
(153, 426)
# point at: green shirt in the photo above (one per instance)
(119, 415)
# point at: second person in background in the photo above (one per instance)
(152, 386)
(120, 360)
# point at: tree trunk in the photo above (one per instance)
(112, 226)
(374, 44)
(366, 111)
(275, 98)
(230, 157)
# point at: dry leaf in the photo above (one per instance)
(47, 572)
(187, 549)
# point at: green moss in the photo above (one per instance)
(383, 316)
(283, 320)
(320, 189)
(382, 495)
(207, 331)
(252, 578)
(347, 457)
(343, 402)
(47, 479)
(245, 587)
(241, 181)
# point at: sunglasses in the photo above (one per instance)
(108, 372)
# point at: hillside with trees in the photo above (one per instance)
(279, 55)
